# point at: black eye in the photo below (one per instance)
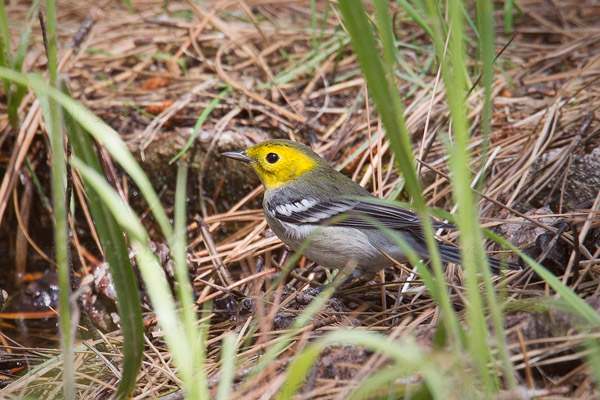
(272, 158)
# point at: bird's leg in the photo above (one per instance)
(358, 277)
(342, 281)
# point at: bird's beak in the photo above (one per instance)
(239, 156)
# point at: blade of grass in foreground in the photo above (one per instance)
(509, 6)
(452, 64)
(413, 13)
(4, 44)
(383, 90)
(576, 304)
(117, 256)
(405, 354)
(485, 23)
(53, 119)
(15, 95)
(284, 340)
(227, 366)
(184, 290)
(594, 359)
(53, 122)
(152, 272)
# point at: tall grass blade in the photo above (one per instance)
(151, 270)
(31, 18)
(201, 120)
(227, 367)
(415, 16)
(509, 22)
(485, 22)
(594, 359)
(405, 355)
(53, 118)
(575, 303)
(117, 256)
(4, 43)
(15, 96)
(382, 89)
(467, 218)
(184, 286)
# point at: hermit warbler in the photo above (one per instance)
(303, 196)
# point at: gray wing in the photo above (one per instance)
(349, 213)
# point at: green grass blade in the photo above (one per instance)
(201, 120)
(227, 367)
(594, 359)
(31, 18)
(485, 22)
(576, 304)
(184, 286)
(4, 37)
(467, 218)
(151, 270)
(16, 96)
(509, 22)
(415, 16)
(386, 32)
(117, 255)
(385, 97)
(184, 289)
(4, 64)
(405, 354)
(52, 50)
(390, 110)
(200, 377)
(52, 118)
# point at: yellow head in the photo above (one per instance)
(278, 161)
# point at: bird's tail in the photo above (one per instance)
(451, 254)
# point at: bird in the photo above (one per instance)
(306, 197)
